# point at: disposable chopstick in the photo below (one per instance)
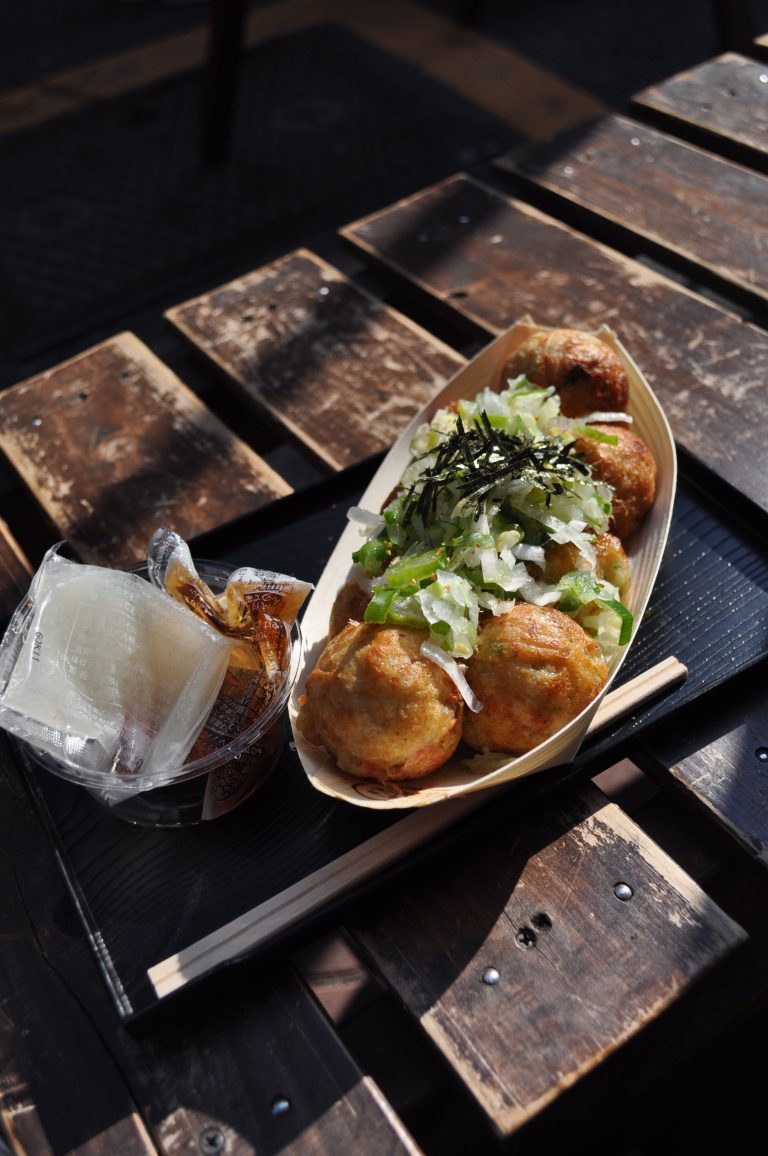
(255, 928)
(663, 676)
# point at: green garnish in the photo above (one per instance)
(492, 484)
(476, 461)
(580, 589)
(374, 555)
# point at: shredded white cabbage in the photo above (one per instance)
(374, 523)
(451, 667)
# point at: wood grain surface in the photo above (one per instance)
(494, 260)
(112, 445)
(73, 1080)
(525, 965)
(667, 195)
(341, 372)
(723, 102)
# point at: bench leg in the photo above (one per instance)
(225, 42)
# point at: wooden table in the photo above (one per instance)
(557, 966)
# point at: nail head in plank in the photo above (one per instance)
(575, 932)
(674, 196)
(112, 444)
(494, 259)
(340, 370)
(725, 99)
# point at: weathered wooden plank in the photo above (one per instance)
(27, 1138)
(723, 102)
(720, 757)
(15, 572)
(539, 955)
(339, 370)
(112, 444)
(210, 1080)
(494, 260)
(666, 194)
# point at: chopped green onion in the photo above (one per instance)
(373, 555)
(377, 609)
(414, 568)
(625, 615)
(580, 589)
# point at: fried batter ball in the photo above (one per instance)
(628, 467)
(349, 606)
(612, 562)
(585, 371)
(534, 669)
(379, 707)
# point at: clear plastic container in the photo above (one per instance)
(233, 756)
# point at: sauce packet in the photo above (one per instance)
(255, 612)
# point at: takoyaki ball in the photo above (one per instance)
(629, 467)
(534, 669)
(349, 606)
(586, 372)
(380, 708)
(611, 562)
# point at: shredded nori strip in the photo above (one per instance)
(476, 461)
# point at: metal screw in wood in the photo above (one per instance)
(211, 1141)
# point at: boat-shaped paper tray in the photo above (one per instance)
(645, 548)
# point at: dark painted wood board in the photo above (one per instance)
(112, 444)
(669, 197)
(338, 369)
(494, 260)
(524, 965)
(15, 572)
(723, 102)
(721, 760)
(72, 1077)
(59, 1086)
